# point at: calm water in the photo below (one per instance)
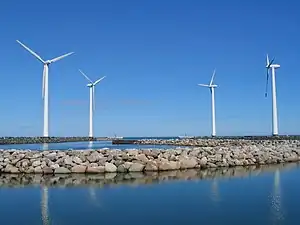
(268, 195)
(79, 145)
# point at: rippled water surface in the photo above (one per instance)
(257, 195)
(79, 145)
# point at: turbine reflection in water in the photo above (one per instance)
(90, 145)
(44, 206)
(93, 196)
(45, 147)
(276, 206)
(215, 197)
(92, 192)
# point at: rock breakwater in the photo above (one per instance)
(125, 161)
(219, 142)
(41, 140)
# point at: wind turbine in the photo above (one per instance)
(272, 66)
(212, 87)
(91, 85)
(45, 84)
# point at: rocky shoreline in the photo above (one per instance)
(41, 140)
(136, 178)
(219, 142)
(212, 154)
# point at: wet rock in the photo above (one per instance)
(47, 170)
(51, 156)
(98, 169)
(77, 160)
(36, 163)
(203, 161)
(61, 170)
(38, 169)
(136, 167)
(110, 168)
(78, 169)
(188, 163)
(151, 166)
(122, 169)
(169, 165)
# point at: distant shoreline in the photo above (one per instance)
(135, 140)
(41, 140)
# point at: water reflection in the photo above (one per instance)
(215, 197)
(276, 204)
(90, 145)
(45, 146)
(220, 196)
(44, 206)
(100, 180)
(93, 196)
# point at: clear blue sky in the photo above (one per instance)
(154, 53)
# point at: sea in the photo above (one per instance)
(257, 195)
(237, 196)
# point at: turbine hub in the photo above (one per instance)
(89, 85)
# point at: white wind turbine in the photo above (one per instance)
(45, 84)
(91, 85)
(212, 87)
(272, 66)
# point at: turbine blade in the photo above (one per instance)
(272, 61)
(203, 85)
(266, 93)
(32, 52)
(212, 78)
(97, 81)
(268, 61)
(85, 76)
(60, 57)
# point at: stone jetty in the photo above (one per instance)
(41, 140)
(212, 154)
(226, 141)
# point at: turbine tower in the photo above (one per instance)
(46, 64)
(212, 87)
(91, 85)
(273, 67)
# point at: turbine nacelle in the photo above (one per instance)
(269, 64)
(210, 85)
(275, 66)
(92, 86)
